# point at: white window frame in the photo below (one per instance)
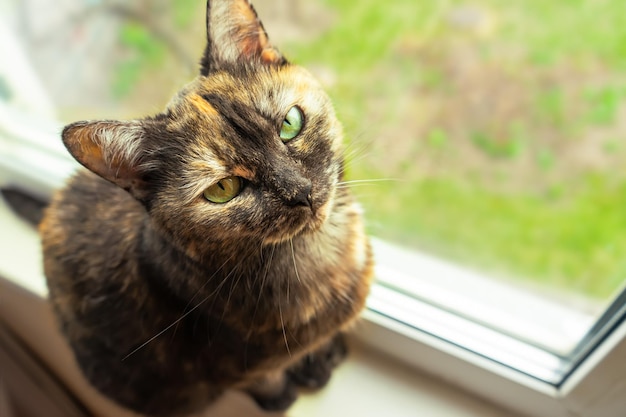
(595, 388)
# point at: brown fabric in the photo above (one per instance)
(28, 389)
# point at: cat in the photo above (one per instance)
(212, 246)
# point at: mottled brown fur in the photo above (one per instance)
(168, 299)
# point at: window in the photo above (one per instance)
(486, 143)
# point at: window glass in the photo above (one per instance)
(488, 134)
(492, 135)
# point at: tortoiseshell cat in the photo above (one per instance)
(210, 246)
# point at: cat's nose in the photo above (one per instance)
(301, 196)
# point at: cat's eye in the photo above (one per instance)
(292, 125)
(224, 190)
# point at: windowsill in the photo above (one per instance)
(367, 384)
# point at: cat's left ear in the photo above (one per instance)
(236, 35)
(111, 149)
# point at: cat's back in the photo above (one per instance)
(89, 232)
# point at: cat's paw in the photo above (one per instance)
(315, 369)
(278, 402)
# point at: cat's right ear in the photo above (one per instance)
(111, 149)
(235, 35)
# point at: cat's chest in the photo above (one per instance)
(317, 274)
(290, 284)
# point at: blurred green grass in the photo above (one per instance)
(569, 232)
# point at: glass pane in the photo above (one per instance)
(491, 136)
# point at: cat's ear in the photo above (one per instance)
(111, 149)
(236, 35)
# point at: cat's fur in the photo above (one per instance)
(168, 299)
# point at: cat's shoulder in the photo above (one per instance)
(89, 204)
(88, 191)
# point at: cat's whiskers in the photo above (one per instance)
(355, 152)
(295, 266)
(263, 280)
(191, 310)
(282, 322)
(258, 300)
(360, 183)
(358, 147)
(234, 283)
(280, 309)
(144, 344)
(209, 280)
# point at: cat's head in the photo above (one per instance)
(251, 149)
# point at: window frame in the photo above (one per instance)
(595, 388)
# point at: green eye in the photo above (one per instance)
(292, 125)
(224, 190)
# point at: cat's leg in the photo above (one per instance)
(314, 370)
(274, 392)
(277, 391)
